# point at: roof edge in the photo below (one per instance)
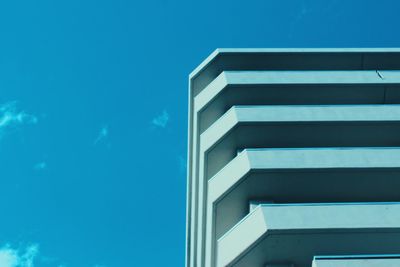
(219, 51)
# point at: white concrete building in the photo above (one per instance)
(294, 158)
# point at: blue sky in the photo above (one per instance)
(93, 114)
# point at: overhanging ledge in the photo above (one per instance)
(292, 59)
(357, 261)
(276, 233)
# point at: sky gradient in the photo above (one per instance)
(93, 114)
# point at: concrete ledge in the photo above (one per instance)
(360, 261)
(292, 59)
(295, 233)
(319, 78)
(299, 126)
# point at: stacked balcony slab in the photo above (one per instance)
(294, 153)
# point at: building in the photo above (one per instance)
(294, 158)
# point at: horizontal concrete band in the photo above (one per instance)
(271, 228)
(281, 78)
(298, 159)
(297, 114)
(291, 59)
(362, 262)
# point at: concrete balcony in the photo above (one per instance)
(292, 234)
(358, 261)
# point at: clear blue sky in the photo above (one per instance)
(93, 114)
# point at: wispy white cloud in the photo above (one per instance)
(10, 257)
(103, 133)
(40, 166)
(28, 257)
(11, 117)
(161, 120)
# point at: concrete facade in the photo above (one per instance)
(294, 158)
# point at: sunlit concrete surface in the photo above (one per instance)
(357, 261)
